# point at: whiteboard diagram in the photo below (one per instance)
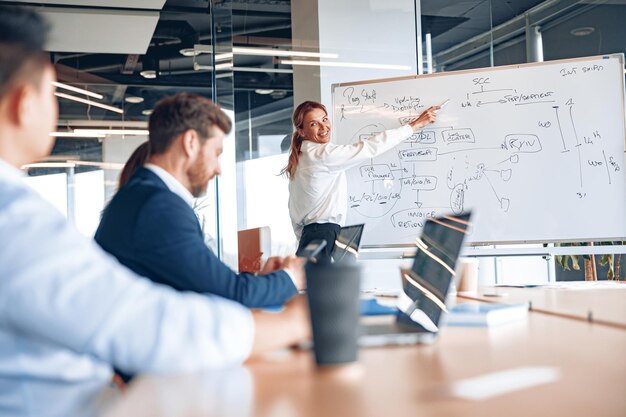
(537, 151)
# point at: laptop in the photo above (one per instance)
(424, 288)
(348, 243)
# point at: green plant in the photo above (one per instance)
(613, 261)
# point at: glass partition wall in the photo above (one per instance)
(106, 91)
(352, 41)
(519, 32)
(258, 60)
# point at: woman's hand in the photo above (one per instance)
(428, 116)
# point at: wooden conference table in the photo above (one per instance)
(563, 367)
(590, 301)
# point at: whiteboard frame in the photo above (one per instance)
(618, 56)
(471, 251)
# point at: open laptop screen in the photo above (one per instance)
(347, 243)
(428, 282)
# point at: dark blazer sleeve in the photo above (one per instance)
(168, 241)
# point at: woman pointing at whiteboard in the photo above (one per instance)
(318, 195)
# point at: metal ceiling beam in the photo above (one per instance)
(273, 6)
(538, 15)
(96, 4)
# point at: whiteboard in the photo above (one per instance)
(535, 150)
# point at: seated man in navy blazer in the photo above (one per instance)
(150, 225)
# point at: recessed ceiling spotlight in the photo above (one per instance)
(133, 99)
(148, 74)
(582, 31)
(264, 91)
(189, 52)
(147, 112)
(279, 94)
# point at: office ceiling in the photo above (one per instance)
(113, 41)
(121, 39)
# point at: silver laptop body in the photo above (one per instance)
(424, 287)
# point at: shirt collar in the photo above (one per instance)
(172, 183)
(8, 171)
(308, 144)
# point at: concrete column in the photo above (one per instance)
(71, 195)
(305, 37)
(377, 32)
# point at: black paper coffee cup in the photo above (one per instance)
(333, 294)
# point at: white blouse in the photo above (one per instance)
(318, 192)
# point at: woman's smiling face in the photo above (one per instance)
(316, 126)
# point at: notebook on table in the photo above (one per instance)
(424, 287)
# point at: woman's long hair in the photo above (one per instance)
(296, 139)
(138, 158)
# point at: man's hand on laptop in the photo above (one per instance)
(294, 265)
(274, 263)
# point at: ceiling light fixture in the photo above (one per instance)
(89, 102)
(189, 52)
(582, 31)
(114, 132)
(223, 57)
(75, 135)
(133, 99)
(148, 74)
(344, 64)
(278, 94)
(240, 50)
(264, 70)
(77, 90)
(223, 66)
(149, 67)
(147, 112)
(218, 67)
(279, 52)
(263, 91)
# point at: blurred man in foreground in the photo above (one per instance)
(69, 312)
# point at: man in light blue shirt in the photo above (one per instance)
(69, 313)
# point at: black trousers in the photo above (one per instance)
(326, 231)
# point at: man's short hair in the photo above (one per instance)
(23, 35)
(176, 114)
